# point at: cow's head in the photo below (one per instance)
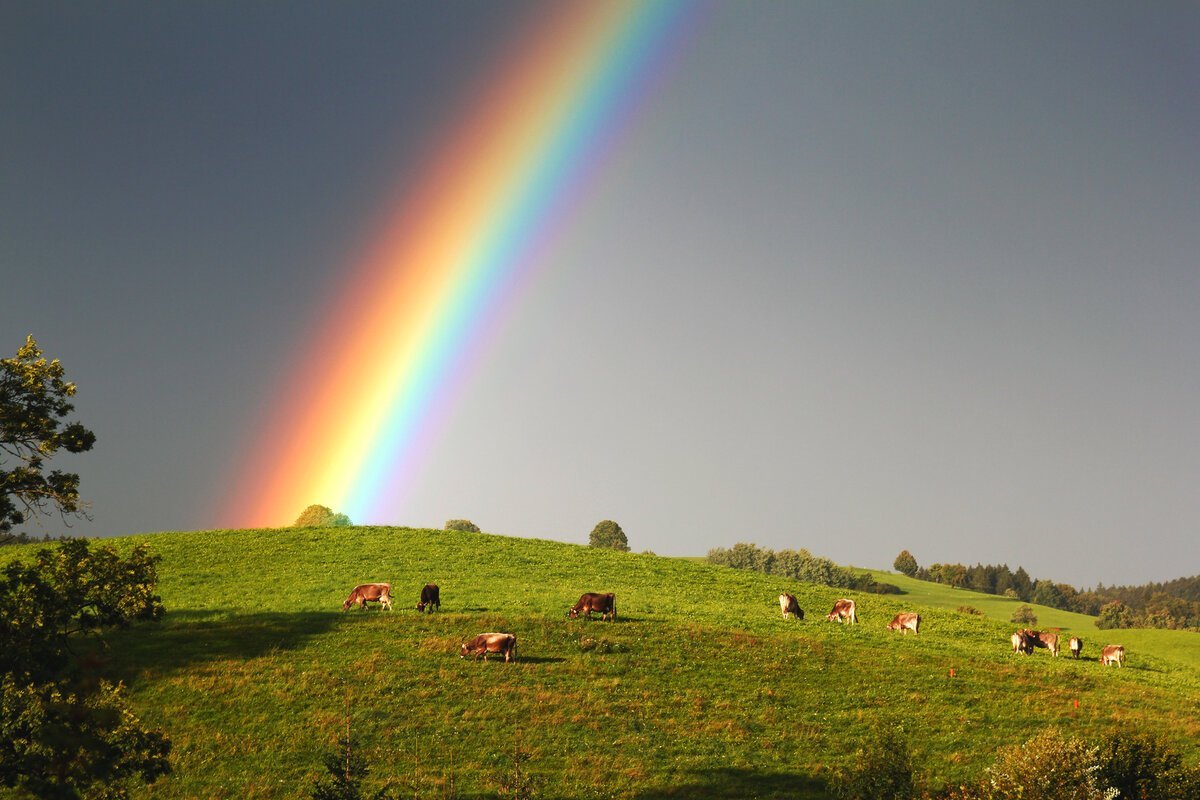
(462, 652)
(420, 606)
(573, 613)
(349, 602)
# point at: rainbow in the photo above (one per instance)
(366, 397)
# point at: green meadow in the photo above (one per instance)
(699, 689)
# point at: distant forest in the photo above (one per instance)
(1174, 604)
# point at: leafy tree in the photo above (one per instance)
(1144, 766)
(61, 734)
(1115, 615)
(1024, 616)
(1050, 766)
(34, 399)
(609, 534)
(317, 516)
(1046, 593)
(906, 564)
(464, 525)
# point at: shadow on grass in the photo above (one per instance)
(186, 638)
(730, 783)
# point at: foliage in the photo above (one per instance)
(1023, 615)
(799, 565)
(969, 610)
(346, 769)
(1143, 766)
(906, 564)
(64, 733)
(609, 534)
(33, 402)
(318, 516)
(1115, 615)
(464, 525)
(1049, 766)
(882, 769)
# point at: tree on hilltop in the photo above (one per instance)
(464, 525)
(906, 564)
(34, 399)
(609, 534)
(318, 516)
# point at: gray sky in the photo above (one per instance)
(860, 277)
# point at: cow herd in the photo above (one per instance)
(843, 611)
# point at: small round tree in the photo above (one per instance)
(1024, 616)
(464, 525)
(906, 564)
(318, 516)
(1115, 615)
(609, 534)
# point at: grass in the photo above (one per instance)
(699, 690)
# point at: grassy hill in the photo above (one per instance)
(700, 689)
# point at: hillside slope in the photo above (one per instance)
(699, 689)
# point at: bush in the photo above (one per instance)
(1143, 766)
(609, 534)
(1050, 766)
(1115, 615)
(969, 610)
(318, 516)
(464, 525)
(882, 769)
(1024, 616)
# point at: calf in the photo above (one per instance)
(843, 610)
(789, 605)
(1076, 646)
(430, 598)
(904, 623)
(603, 604)
(370, 592)
(484, 643)
(1113, 654)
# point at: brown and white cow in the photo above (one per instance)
(1076, 646)
(1048, 640)
(484, 643)
(788, 604)
(843, 610)
(1113, 654)
(1021, 643)
(430, 598)
(603, 604)
(368, 593)
(905, 622)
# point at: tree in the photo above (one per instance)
(34, 399)
(317, 516)
(1024, 616)
(464, 525)
(62, 735)
(906, 564)
(347, 768)
(609, 534)
(1115, 615)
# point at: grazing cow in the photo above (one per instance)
(1113, 654)
(1049, 641)
(370, 592)
(843, 610)
(484, 643)
(905, 622)
(789, 605)
(1025, 640)
(1076, 645)
(430, 598)
(603, 604)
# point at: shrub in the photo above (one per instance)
(1024, 616)
(882, 769)
(969, 610)
(464, 525)
(1143, 766)
(1115, 615)
(609, 534)
(318, 516)
(1050, 766)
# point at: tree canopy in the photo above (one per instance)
(906, 564)
(462, 525)
(318, 516)
(34, 400)
(609, 534)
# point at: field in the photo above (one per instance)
(699, 690)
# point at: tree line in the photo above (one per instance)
(1174, 604)
(799, 565)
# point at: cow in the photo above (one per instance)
(484, 643)
(843, 610)
(603, 604)
(370, 592)
(905, 622)
(430, 598)
(789, 605)
(1018, 643)
(1076, 646)
(1025, 640)
(1049, 641)
(1113, 654)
